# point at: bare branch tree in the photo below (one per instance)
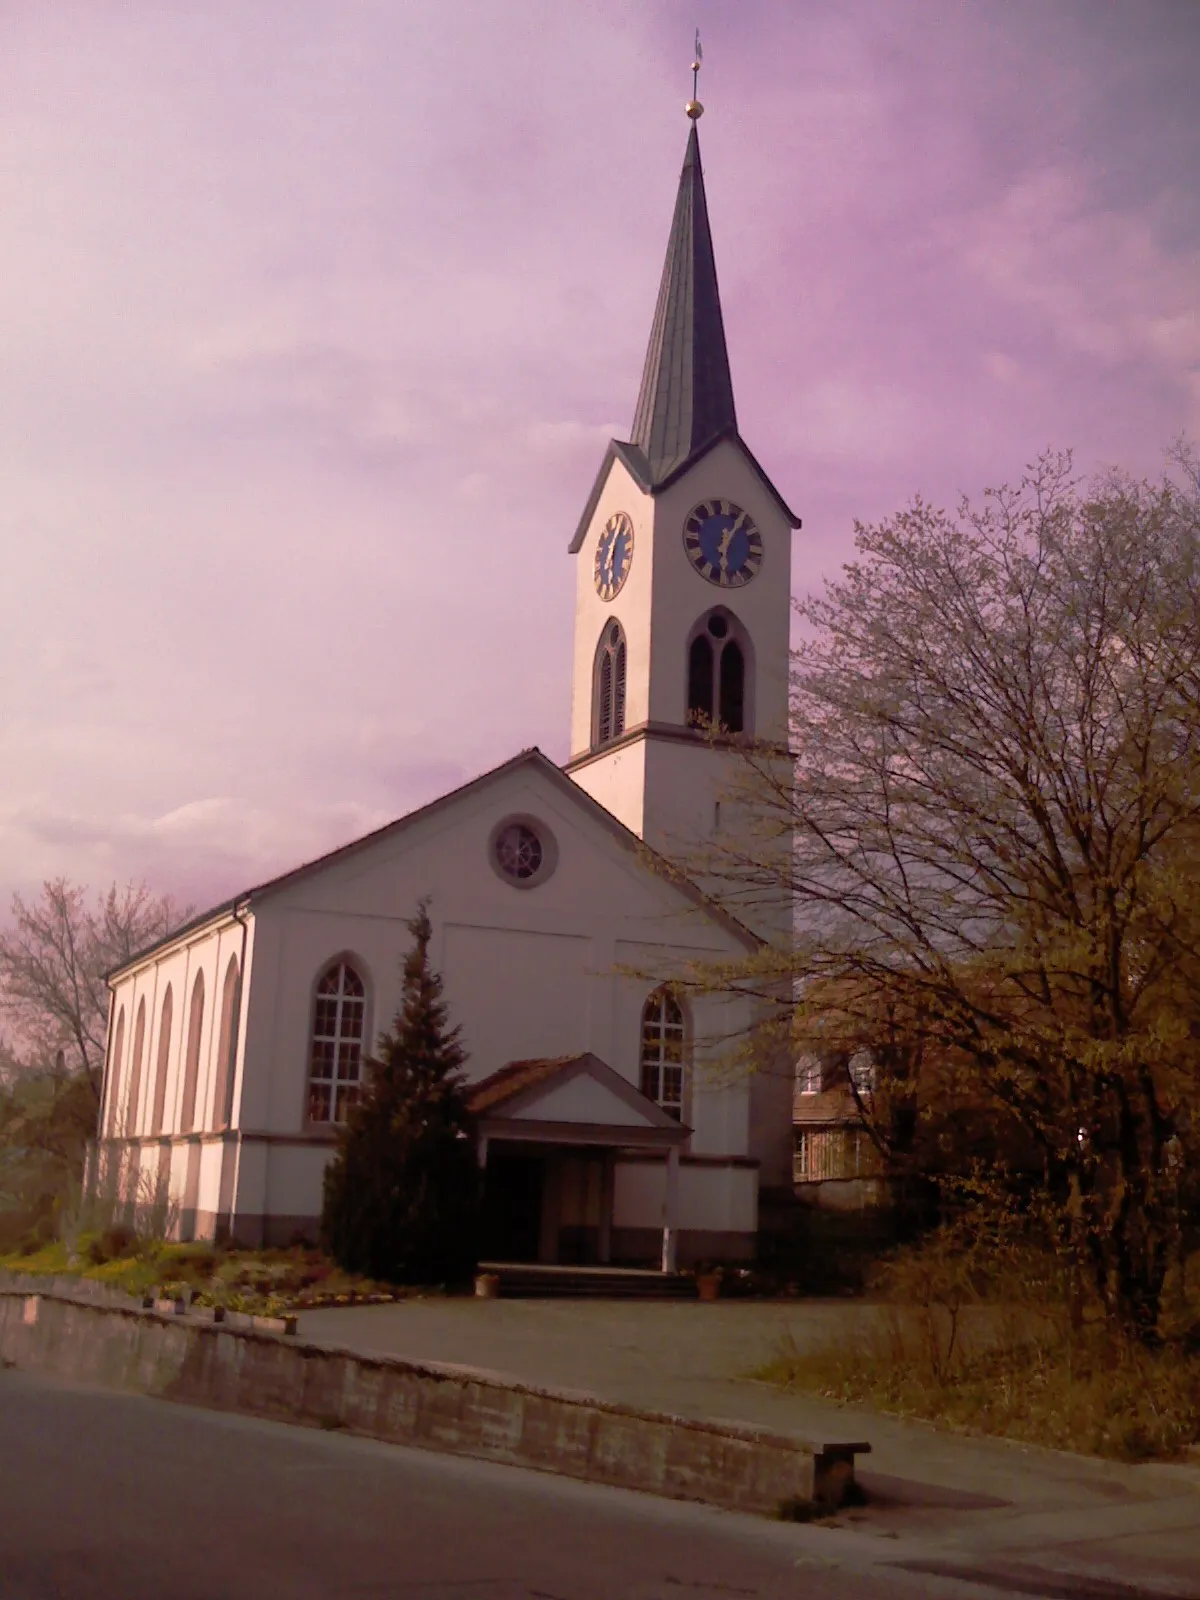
(53, 962)
(995, 823)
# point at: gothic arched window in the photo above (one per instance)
(335, 1056)
(163, 1061)
(609, 718)
(663, 1052)
(135, 1070)
(717, 674)
(226, 1048)
(191, 1069)
(114, 1072)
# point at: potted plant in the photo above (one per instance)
(708, 1282)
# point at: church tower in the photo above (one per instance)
(683, 581)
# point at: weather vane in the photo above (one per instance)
(693, 108)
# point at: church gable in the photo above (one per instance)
(466, 852)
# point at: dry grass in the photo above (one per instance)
(1083, 1392)
(1011, 1347)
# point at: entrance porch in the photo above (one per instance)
(550, 1137)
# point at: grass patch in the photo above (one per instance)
(1081, 1391)
(1012, 1347)
(985, 1326)
(264, 1282)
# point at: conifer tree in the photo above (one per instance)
(401, 1196)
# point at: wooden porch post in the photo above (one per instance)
(608, 1186)
(670, 1209)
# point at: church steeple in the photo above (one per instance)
(686, 398)
(683, 577)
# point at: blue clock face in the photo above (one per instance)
(614, 555)
(723, 543)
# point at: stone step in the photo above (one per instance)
(529, 1281)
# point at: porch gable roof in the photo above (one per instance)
(541, 1097)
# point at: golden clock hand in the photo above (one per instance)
(723, 549)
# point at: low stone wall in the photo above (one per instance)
(454, 1409)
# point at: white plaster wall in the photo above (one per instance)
(294, 1178)
(631, 607)
(724, 1199)
(618, 781)
(669, 789)
(207, 950)
(209, 1195)
(528, 972)
(681, 595)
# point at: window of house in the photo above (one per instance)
(518, 851)
(135, 1070)
(717, 676)
(663, 1056)
(523, 851)
(114, 1072)
(162, 1062)
(335, 1058)
(838, 1151)
(609, 719)
(226, 1048)
(191, 1069)
(861, 1068)
(808, 1075)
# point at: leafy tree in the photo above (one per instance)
(46, 1119)
(994, 825)
(53, 962)
(401, 1196)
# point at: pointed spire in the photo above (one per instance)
(686, 398)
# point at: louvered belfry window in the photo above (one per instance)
(717, 677)
(610, 684)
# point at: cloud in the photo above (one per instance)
(314, 338)
(1104, 283)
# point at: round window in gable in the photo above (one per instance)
(522, 851)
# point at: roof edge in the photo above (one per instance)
(635, 463)
(228, 909)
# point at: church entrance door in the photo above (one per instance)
(513, 1189)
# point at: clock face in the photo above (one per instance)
(614, 555)
(723, 543)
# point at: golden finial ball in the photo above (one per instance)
(694, 110)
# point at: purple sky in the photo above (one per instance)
(316, 319)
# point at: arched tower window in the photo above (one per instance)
(114, 1072)
(191, 1068)
(701, 703)
(163, 1061)
(663, 1052)
(717, 656)
(609, 697)
(335, 1057)
(135, 1070)
(226, 1047)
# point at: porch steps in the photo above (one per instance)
(530, 1281)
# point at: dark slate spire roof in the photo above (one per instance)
(685, 406)
(686, 398)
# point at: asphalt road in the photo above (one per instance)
(115, 1497)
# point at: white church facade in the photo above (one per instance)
(611, 1125)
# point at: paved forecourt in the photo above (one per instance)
(944, 1497)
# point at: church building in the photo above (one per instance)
(611, 1126)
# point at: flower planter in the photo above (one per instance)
(487, 1286)
(708, 1285)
